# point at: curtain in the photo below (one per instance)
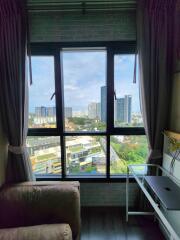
(155, 42)
(14, 87)
(178, 28)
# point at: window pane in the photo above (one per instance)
(84, 74)
(42, 111)
(126, 150)
(126, 105)
(86, 155)
(45, 154)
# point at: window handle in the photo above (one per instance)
(53, 96)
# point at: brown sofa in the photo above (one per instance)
(40, 211)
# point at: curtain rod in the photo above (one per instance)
(79, 10)
(80, 2)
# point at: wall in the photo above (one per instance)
(175, 108)
(174, 216)
(108, 194)
(3, 155)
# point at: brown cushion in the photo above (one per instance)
(28, 205)
(49, 183)
(39, 232)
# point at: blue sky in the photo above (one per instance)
(43, 85)
(84, 73)
(123, 79)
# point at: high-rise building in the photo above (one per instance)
(99, 110)
(127, 108)
(44, 115)
(68, 112)
(122, 109)
(92, 110)
(119, 109)
(103, 103)
(45, 111)
(115, 110)
(40, 111)
(51, 111)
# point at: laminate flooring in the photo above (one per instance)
(107, 223)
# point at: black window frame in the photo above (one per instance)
(54, 49)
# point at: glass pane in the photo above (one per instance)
(86, 155)
(126, 150)
(45, 154)
(84, 74)
(126, 105)
(42, 111)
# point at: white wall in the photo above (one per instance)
(175, 108)
(174, 216)
(3, 155)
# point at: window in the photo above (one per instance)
(126, 150)
(126, 103)
(45, 154)
(42, 110)
(84, 77)
(86, 155)
(84, 117)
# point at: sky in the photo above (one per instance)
(84, 72)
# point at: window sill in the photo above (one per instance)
(90, 179)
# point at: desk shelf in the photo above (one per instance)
(160, 188)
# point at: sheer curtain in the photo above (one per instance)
(156, 41)
(14, 87)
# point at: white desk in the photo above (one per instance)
(142, 174)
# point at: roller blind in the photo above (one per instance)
(72, 20)
(69, 27)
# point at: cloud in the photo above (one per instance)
(43, 85)
(86, 71)
(70, 87)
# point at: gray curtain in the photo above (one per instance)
(13, 87)
(155, 41)
(178, 29)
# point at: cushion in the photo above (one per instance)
(24, 205)
(38, 232)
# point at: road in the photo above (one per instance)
(114, 156)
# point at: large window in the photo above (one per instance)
(42, 110)
(86, 155)
(84, 112)
(126, 150)
(45, 154)
(126, 104)
(84, 77)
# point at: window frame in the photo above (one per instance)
(54, 49)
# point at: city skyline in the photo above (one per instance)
(122, 110)
(95, 110)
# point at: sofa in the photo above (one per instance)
(40, 211)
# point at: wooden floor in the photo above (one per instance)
(109, 224)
